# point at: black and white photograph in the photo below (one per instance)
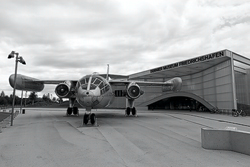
(124, 83)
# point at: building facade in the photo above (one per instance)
(216, 80)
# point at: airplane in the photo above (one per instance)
(92, 91)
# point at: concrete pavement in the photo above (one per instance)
(45, 137)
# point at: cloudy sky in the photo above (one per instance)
(62, 39)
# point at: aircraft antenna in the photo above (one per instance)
(107, 76)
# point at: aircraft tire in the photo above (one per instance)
(128, 111)
(75, 111)
(85, 119)
(133, 111)
(92, 118)
(69, 111)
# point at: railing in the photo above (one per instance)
(221, 111)
(232, 112)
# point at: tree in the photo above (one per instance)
(2, 94)
(3, 101)
(17, 100)
(8, 100)
(46, 98)
(54, 99)
(33, 97)
(59, 100)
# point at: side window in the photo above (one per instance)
(105, 88)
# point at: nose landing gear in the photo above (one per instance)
(89, 119)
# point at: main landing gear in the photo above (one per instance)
(89, 118)
(73, 110)
(131, 110)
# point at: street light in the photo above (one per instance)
(21, 60)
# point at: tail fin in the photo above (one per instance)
(107, 76)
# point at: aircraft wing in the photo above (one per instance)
(143, 83)
(53, 81)
(174, 83)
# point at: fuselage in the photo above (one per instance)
(93, 91)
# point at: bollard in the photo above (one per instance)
(16, 113)
(4, 124)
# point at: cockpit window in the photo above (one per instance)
(96, 81)
(92, 86)
(84, 86)
(87, 80)
(101, 85)
(83, 81)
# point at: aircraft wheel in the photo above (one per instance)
(69, 111)
(92, 119)
(75, 111)
(133, 111)
(128, 110)
(85, 119)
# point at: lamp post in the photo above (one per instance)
(21, 107)
(21, 60)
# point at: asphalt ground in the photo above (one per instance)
(46, 137)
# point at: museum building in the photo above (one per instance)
(215, 80)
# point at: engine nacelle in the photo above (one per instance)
(133, 91)
(175, 83)
(63, 90)
(26, 83)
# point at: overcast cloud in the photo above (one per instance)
(69, 39)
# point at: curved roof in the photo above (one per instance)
(189, 66)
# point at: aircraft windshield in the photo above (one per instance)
(92, 82)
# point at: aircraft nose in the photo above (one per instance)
(87, 98)
(87, 93)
